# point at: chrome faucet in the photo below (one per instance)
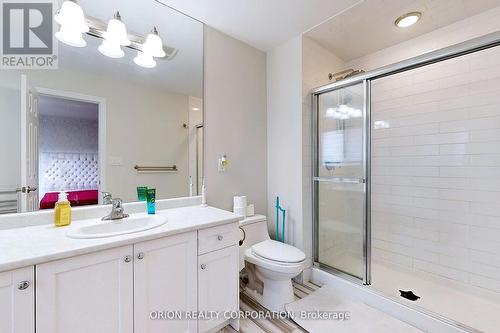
(116, 211)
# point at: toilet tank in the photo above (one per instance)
(255, 228)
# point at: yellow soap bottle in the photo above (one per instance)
(62, 211)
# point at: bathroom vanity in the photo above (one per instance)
(52, 283)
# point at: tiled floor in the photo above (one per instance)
(358, 310)
(265, 325)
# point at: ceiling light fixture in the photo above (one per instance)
(408, 19)
(114, 37)
(73, 24)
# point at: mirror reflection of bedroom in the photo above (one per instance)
(68, 146)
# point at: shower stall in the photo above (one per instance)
(406, 183)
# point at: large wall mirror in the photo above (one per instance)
(102, 124)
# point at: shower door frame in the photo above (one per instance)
(366, 148)
(473, 45)
(457, 50)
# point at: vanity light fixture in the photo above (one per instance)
(145, 60)
(73, 24)
(114, 38)
(408, 19)
(154, 45)
(112, 50)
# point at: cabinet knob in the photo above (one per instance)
(203, 266)
(140, 255)
(219, 237)
(127, 259)
(23, 285)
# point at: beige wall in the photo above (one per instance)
(294, 68)
(10, 142)
(284, 124)
(235, 119)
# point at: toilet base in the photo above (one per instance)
(276, 293)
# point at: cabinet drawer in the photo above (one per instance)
(215, 238)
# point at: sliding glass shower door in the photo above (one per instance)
(340, 180)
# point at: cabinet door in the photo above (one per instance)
(165, 280)
(87, 293)
(17, 301)
(218, 288)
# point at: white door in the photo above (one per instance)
(87, 293)
(218, 285)
(29, 147)
(17, 301)
(165, 280)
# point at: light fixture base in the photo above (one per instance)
(408, 19)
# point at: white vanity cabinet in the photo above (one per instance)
(116, 290)
(86, 293)
(218, 285)
(218, 275)
(165, 278)
(17, 301)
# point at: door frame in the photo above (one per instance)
(453, 51)
(366, 148)
(101, 110)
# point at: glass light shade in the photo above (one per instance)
(407, 20)
(70, 36)
(144, 60)
(116, 33)
(71, 15)
(111, 49)
(153, 46)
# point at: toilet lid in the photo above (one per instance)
(277, 251)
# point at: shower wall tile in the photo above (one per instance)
(436, 170)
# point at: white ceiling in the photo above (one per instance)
(60, 107)
(369, 26)
(262, 23)
(183, 74)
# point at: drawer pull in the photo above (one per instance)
(219, 237)
(127, 259)
(140, 255)
(23, 285)
(203, 266)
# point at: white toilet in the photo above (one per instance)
(270, 264)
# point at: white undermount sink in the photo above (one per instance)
(102, 229)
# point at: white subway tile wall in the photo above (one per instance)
(436, 169)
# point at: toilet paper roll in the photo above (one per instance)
(240, 211)
(240, 201)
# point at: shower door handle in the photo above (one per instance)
(350, 180)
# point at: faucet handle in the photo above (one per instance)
(117, 203)
(106, 198)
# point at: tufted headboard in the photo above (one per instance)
(68, 172)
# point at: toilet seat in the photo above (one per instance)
(278, 252)
(259, 255)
